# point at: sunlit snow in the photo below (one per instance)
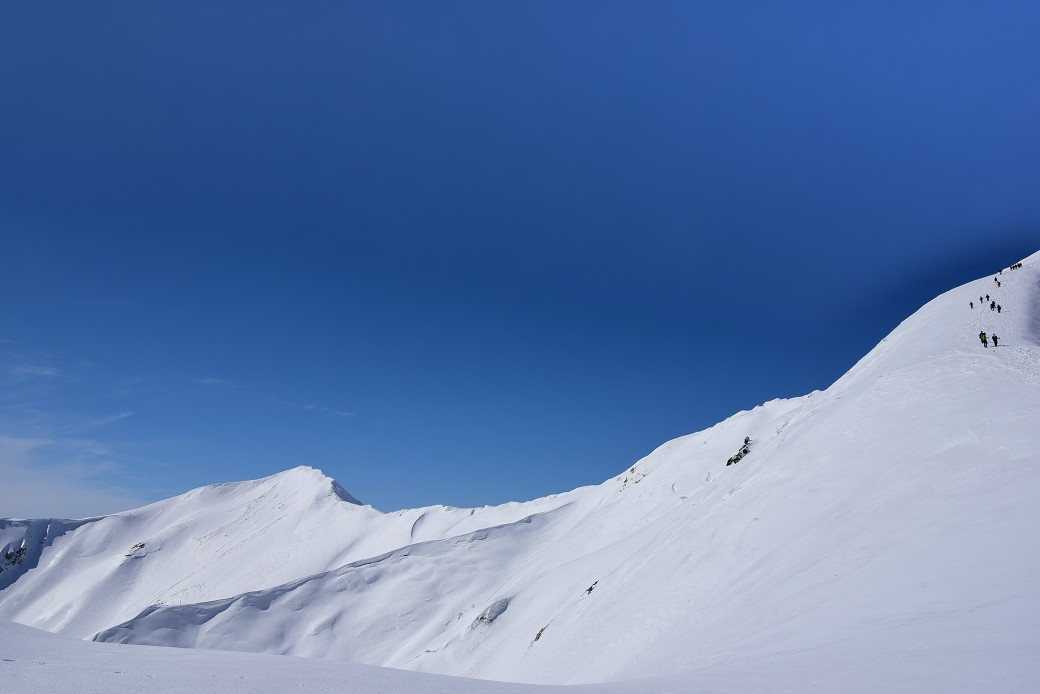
(876, 536)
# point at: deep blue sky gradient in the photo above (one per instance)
(471, 252)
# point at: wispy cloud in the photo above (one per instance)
(312, 407)
(220, 383)
(48, 467)
(28, 371)
(64, 478)
(62, 451)
(210, 382)
(85, 425)
(24, 378)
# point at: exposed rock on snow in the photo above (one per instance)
(493, 612)
(22, 543)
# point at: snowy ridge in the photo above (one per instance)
(883, 522)
(210, 543)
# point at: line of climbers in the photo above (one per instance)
(993, 306)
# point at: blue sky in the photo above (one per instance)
(472, 252)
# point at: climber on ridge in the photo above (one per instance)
(995, 338)
(982, 336)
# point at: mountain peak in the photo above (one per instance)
(305, 475)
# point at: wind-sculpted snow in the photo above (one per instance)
(356, 612)
(214, 542)
(22, 543)
(882, 526)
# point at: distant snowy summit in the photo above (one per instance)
(79, 577)
(878, 525)
(303, 482)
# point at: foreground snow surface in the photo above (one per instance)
(34, 661)
(879, 535)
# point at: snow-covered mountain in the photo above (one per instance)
(79, 577)
(886, 522)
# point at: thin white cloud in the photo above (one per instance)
(216, 382)
(48, 467)
(59, 478)
(311, 407)
(26, 371)
(96, 423)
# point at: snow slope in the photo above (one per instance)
(22, 543)
(883, 527)
(208, 543)
(35, 661)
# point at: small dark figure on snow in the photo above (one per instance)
(980, 299)
(987, 297)
(971, 303)
(982, 336)
(996, 280)
(995, 339)
(992, 305)
(998, 308)
(733, 460)
(998, 284)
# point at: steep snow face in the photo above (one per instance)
(22, 543)
(209, 543)
(890, 515)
